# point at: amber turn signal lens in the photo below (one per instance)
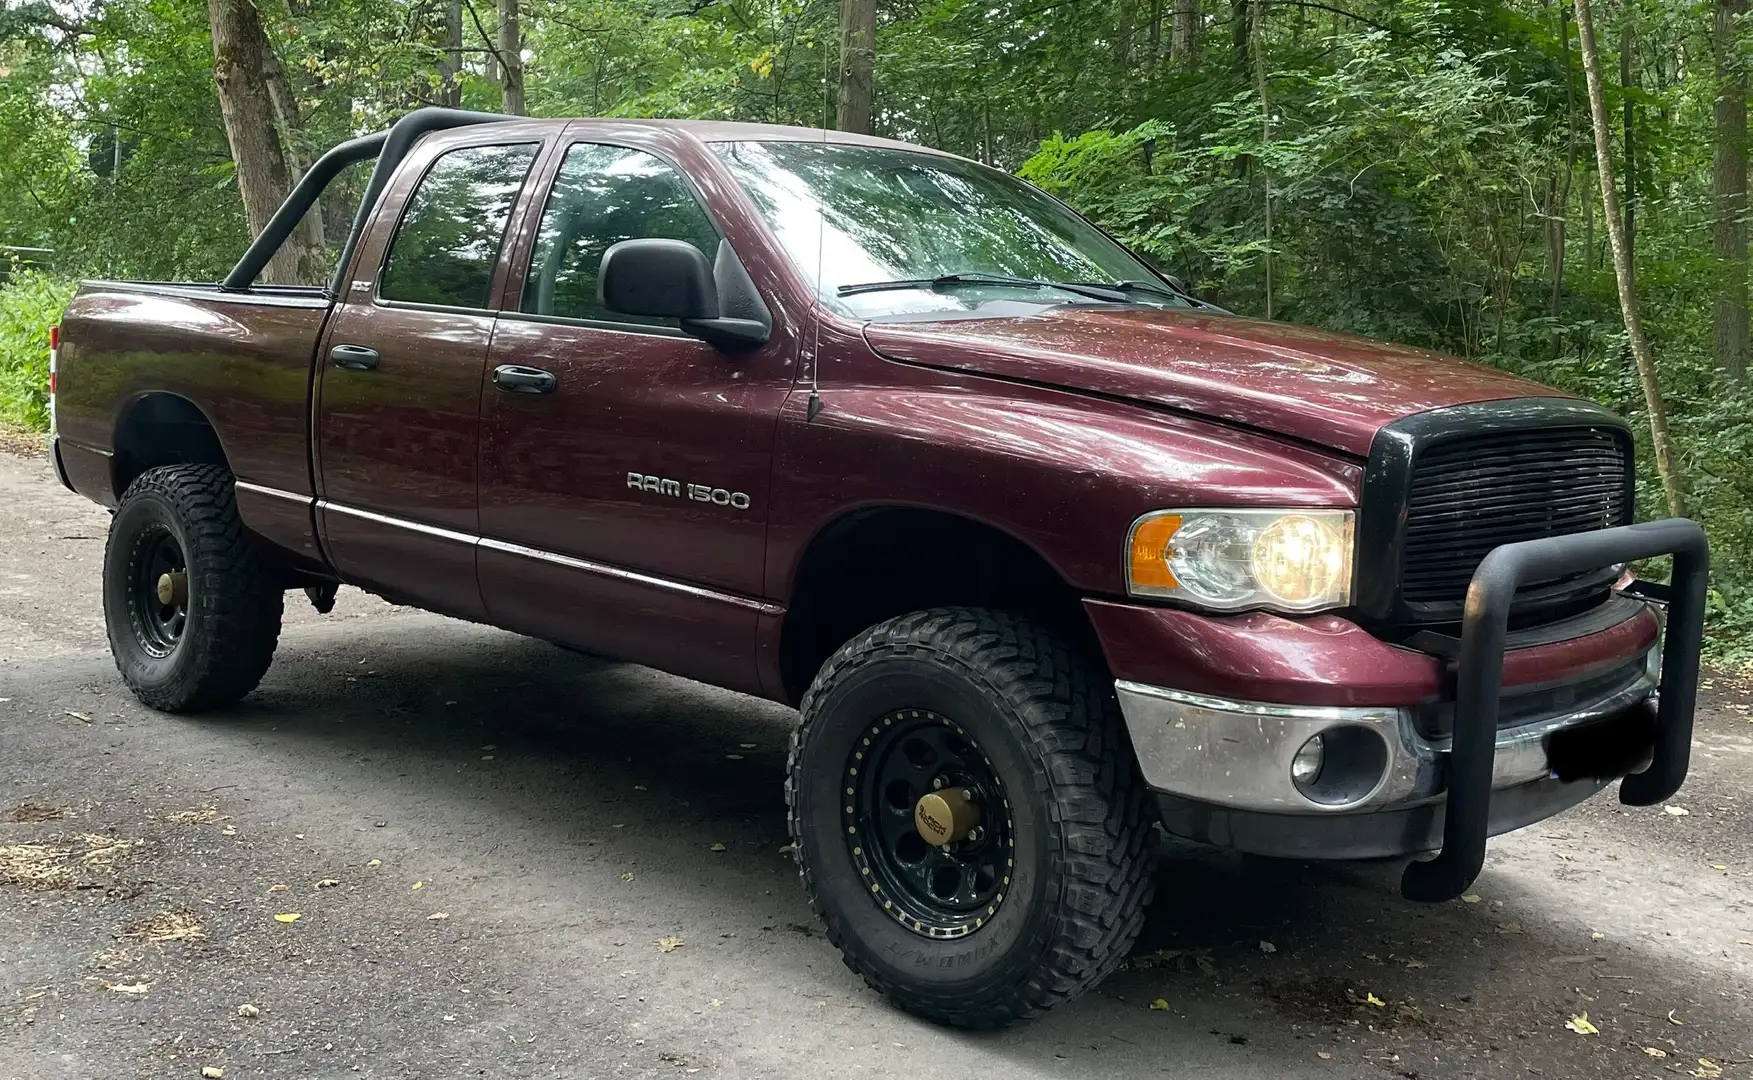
(1150, 552)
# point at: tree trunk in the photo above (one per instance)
(1729, 231)
(242, 60)
(1673, 477)
(450, 65)
(1184, 35)
(857, 65)
(1560, 221)
(290, 121)
(510, 60)
(1628, 79)
(1258, 38)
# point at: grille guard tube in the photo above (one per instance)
(1479, 682)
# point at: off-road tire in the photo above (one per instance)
(1046, 716)
(233, 609)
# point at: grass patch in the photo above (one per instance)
(30, 303)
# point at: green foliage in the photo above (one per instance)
(30, 303)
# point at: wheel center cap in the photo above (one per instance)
(173, 589)
(946, 816)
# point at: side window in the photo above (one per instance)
(601, 196)
(445, 248)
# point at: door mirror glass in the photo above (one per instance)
(657, 279)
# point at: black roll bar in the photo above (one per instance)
(389, 147)
(1479, 682)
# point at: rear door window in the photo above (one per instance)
(601, 196)
(448, 242)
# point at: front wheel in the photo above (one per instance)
(968, 817)
(192, 617)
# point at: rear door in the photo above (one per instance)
(398, 410)
(624, 505)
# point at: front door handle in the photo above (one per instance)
(354, 357)
(518, 379)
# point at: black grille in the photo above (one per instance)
(1470, 494)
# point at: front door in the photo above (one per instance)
(624, 464)
(398, 414)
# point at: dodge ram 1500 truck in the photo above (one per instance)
(1046, 551)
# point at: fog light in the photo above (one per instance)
(1305, 768)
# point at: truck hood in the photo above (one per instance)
(1322, 387)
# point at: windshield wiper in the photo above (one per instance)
(976, 279)
(1129, 286)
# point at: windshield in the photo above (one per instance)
(891, 232)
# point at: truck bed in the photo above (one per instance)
(130, 349)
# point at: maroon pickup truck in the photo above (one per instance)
(1046, 551)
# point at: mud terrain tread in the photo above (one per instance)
(1101, 816)
(235, 638)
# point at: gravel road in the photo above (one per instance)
(484, 839)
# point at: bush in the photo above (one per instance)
(30, 303)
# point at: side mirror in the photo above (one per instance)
(671, 279)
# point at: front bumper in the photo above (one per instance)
(1222, 769)
(1224, 766)
(1238, 754)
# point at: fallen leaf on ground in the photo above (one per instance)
(279, 888)
(1676, 1021)
(229, 830)
(418, 885)
(291, 916)
(438, 916)
(1718, 866)
(1580, 1024)
(79, 716)
(1509, 928)
(249, 1012)
(1268, 948)
(718, 847)
(211, 1072)
(1371, 999)
(716, 1002)
(127, 988)
(375, 862)
(788, 849)
(1324, 1055)
(1414, 965)
(733, 757)
(1470, 898)
(1597, 936)
(669, 944)
(1159, 1005)
(1675, 811)
(1707, 1069)
(627, 876)
(1655, 1052)
(746, 745)
(327, 883)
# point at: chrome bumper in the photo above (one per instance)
(1234, 757)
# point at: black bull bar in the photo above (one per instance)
(1479, 680)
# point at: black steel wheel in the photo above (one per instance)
(158, 602)
(938, 889)
(192, 615)
(967, 815)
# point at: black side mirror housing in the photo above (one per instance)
(671, 279)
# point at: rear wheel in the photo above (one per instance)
(192, 618)
(967, 816)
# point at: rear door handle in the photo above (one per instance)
(523, 380)
(354, 357)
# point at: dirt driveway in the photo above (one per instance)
(485, 839)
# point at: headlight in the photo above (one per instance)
(1287, 560)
